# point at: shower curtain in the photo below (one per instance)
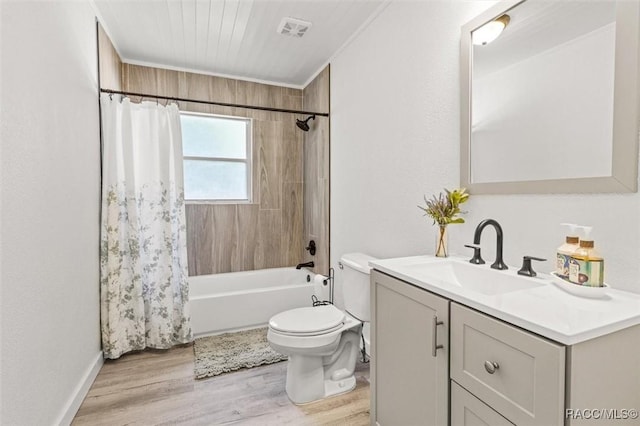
(143, 256)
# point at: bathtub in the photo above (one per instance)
(242, 300)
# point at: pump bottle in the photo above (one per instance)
(587, 265)
(566, 250)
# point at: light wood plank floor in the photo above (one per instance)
(157, 388)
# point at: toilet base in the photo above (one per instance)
(332, 388)
(325, 371)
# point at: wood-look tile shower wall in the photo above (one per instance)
(267, 233)
(316, 171)
(110, 65)
(271, 231)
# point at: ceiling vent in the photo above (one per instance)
(293, 27)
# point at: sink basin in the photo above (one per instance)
(478, 278)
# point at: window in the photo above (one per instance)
(217, 158)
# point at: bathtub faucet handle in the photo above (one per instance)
(311, 248)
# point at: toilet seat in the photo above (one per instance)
(309, 333)
(310, 321)
(314, 342)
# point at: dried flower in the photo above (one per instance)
(444, 207)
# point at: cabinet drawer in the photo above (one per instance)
(467, 410)
(517, 373)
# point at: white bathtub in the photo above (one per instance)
(242, 300)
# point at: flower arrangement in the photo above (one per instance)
(444, 210)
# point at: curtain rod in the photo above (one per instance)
(167, 98)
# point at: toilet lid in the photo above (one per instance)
(308, 320)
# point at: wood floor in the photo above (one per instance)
(157, 388)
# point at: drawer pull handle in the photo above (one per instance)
(434, 335)
(491, 366)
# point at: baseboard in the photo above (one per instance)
(81, 390)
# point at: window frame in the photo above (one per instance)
(248, 160)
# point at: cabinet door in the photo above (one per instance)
(467, 410)
(604, 374)
(409, 354)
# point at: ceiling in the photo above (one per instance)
(235, 38)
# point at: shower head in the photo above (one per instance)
(304, 125)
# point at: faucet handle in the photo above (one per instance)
(476, 259)
(526, 269)
(311, 248)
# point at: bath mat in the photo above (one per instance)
(232, 351)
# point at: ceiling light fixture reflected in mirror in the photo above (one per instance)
(490, 31)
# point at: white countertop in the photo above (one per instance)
(546, 310)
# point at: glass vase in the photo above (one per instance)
(442, 242)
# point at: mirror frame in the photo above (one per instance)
(626, 112)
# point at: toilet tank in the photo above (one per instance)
(355, 284)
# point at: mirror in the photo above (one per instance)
(551, 104)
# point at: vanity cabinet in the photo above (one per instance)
(516, 372)
(467, 410)
(409, 354)
(428, 350)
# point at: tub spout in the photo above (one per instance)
(306, 265)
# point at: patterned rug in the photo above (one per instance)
(232, 351)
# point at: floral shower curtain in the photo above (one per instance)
(143, 255)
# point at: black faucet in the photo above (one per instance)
(498, 264)
(526, 269)
(477, 258)
(305, 265)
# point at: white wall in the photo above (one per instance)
(49, 216)
(550, 114)
(395, 137)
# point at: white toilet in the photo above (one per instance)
(323, 342)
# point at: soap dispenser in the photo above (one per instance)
(566, 250)
(587, 265)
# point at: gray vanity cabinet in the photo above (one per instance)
(517, 373)
(467, 410)
(409, 354)
(427, 350)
